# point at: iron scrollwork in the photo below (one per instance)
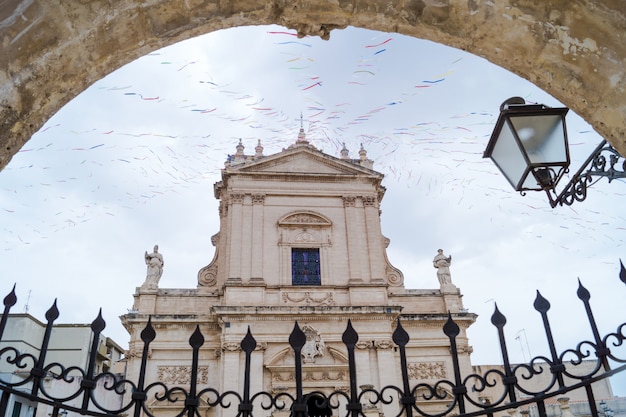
(604, 162)
(461, 395)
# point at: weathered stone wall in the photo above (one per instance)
(52, 50)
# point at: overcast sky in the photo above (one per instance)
(131, 163)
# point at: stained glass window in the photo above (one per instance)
(305, 266)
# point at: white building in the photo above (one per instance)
(70, 345)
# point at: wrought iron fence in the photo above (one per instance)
(459, 396)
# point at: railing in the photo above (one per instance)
(460, 396)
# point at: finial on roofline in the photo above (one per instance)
(344, 152)
(301, 135)
(258, 149)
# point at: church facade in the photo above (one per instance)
(300, 240)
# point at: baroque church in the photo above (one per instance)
(300, 240)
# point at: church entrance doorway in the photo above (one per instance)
(317, 406)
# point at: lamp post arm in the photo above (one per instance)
(595, 165)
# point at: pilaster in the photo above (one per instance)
(236, 227)
(374, 239)
(352, 239)
(386, 371)
(247, 226)
(230, 364)
(256, 273)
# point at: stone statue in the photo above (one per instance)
(442, 263)
(154, 261)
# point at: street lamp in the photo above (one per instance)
(529, 145)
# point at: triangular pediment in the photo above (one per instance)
(304, 160)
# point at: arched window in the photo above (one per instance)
(304, 241)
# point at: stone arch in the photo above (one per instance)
(52, 51)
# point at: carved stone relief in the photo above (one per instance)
(304, 218)
(427, 370)
(383, 344)
(309, 299)
(364, 344)
(314, 345)
(237, 198)
(314, 376)
(324, 376)
(258, 198)
(181, 375)
(135, 350)
(207, 276)
(369, 201)
(394, 276)
(348, 200)
(305, 237)
(231, 346)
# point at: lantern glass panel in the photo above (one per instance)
(543, 138)
(508, 156)
(530, 183)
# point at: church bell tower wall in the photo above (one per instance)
(342, 222)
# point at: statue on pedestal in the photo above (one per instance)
(442, 263)
(154, 261)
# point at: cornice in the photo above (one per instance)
(290, 153)
(290, 311)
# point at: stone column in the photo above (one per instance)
(256, 273)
